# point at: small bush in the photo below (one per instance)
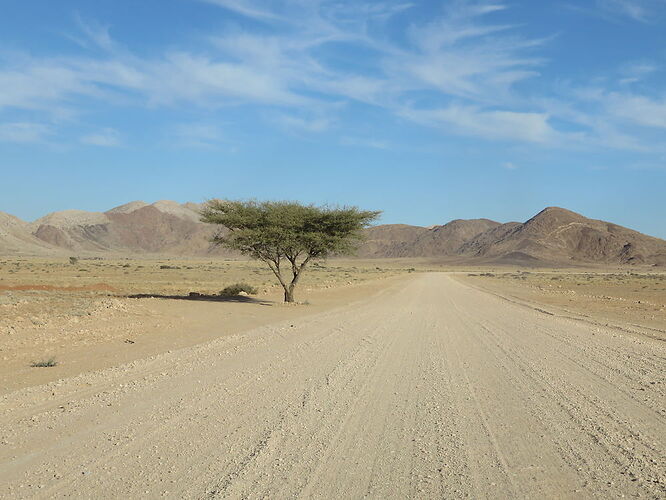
(45, 363)
(73, 260)
(237, 288)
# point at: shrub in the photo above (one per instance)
(237, 288)
(45, 363)
(73, 260)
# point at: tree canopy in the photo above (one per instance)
(287, 234)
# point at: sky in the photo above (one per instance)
(427, 110)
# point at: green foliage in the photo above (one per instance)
(237, 288)
(266, 229)
(283, 233)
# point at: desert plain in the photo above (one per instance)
(123, 308)
(390, 378)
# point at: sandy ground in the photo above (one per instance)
(82, 315)
(627, 298)
(119, 276)
(426, 388)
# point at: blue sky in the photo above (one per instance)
(427, 110)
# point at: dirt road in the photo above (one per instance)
(429, 389)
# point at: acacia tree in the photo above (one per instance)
(286, 235)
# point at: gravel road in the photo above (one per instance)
(427, 389)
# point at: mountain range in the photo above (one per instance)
(553, 236)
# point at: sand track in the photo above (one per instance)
(431, 389)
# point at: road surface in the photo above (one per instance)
(429, 389)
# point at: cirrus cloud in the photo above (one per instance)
(459, 72)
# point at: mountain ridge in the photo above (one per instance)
(553, 236)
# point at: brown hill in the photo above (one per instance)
(400, 240)
(475, 245)
(150, 229)
(390, 240)
(162, 227)
(16, 238)
(128, 207)
(558, 235)
(447, 239)
(553, 236)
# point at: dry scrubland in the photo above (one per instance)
(83, 313)
(423, 387)
(621, 297)
(387, 383)
(87, 314)
(176, 277)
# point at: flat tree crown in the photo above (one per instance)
(263, 229)
(281, 232)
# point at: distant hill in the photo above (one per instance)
(162, 227)
(391, 240)
(558, 235)
(554, 236)
(16, 238)
(399, 240)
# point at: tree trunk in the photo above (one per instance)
(296, 274)
(289, 294)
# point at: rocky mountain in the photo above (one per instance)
(161, 227)
(447, 239)
(558, 235)
(553, 236)
(400, 240)
(391, 240)
(16, 238)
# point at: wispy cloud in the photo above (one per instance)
(24, 132)
(650, 13)
(247, 8)
(635, 72)
(461, 72)
(30, 83)
(624, 107)
(638, 109)
(319, 124)
(197, 135)
(643, 11)
(95, 34)
(638, 10)
(474, 121)
(107, 137)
